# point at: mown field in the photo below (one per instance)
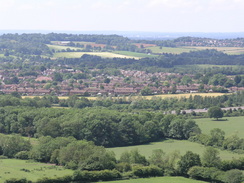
(227, 50)
(169, 146)
(101, 54)
(233, 125)
(134, 54)
(13, 168)
(158, 180)
(178, 50)
(59, 48)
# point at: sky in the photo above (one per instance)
(123, 15)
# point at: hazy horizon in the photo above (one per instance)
(211, 16)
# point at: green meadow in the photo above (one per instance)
(134, 54)
(13, 168)
(158, 180)
(169, 146)
(101, 54)
(232, 125)
(178, 50)
(59, 48)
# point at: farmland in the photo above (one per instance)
(13, 168)
(133, 54)
(178, 50)
(159, 180)
(186, 95)
(169, 146)
(101, 54)
(233, 125)
(60, 48)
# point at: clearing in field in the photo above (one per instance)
(233, 125)
(13, 168)
(101, 54)
(159, 180)
(169, 146)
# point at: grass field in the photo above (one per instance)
(101, 54)
(169, 146)
(12, 168)
(134, 54)
(158, 180)
(59, 48)
(178, 50)
(227, 50)
(233, 125)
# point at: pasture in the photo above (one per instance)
(101, 54)
(233, 125)
(227, 50)
(169, 146)
(176, 50)
(179, 50)
(134, 54)
(13, 168)
(60, 48)
(158, 180)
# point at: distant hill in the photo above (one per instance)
(142, 35)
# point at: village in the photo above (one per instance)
(127, 82)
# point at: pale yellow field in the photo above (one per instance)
(187, 95)
(101, 54)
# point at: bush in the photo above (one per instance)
(14, 180)
(103, 175)
(147, 171)
(22, 155)
(233, 176)
(206, 174)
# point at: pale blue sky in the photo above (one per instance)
(123, 15)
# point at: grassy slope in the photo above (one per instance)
(233, 125)
(101, 54)
(156, 49)
(11, 168)
(158, 180)
(178, 50)
(59, 48)
(169, 146)
(134, 54)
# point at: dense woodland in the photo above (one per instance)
(75, 132)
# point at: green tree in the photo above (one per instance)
(217, 137)
(211, 157)
(187, 161)
(233, 176)
(215, 112)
